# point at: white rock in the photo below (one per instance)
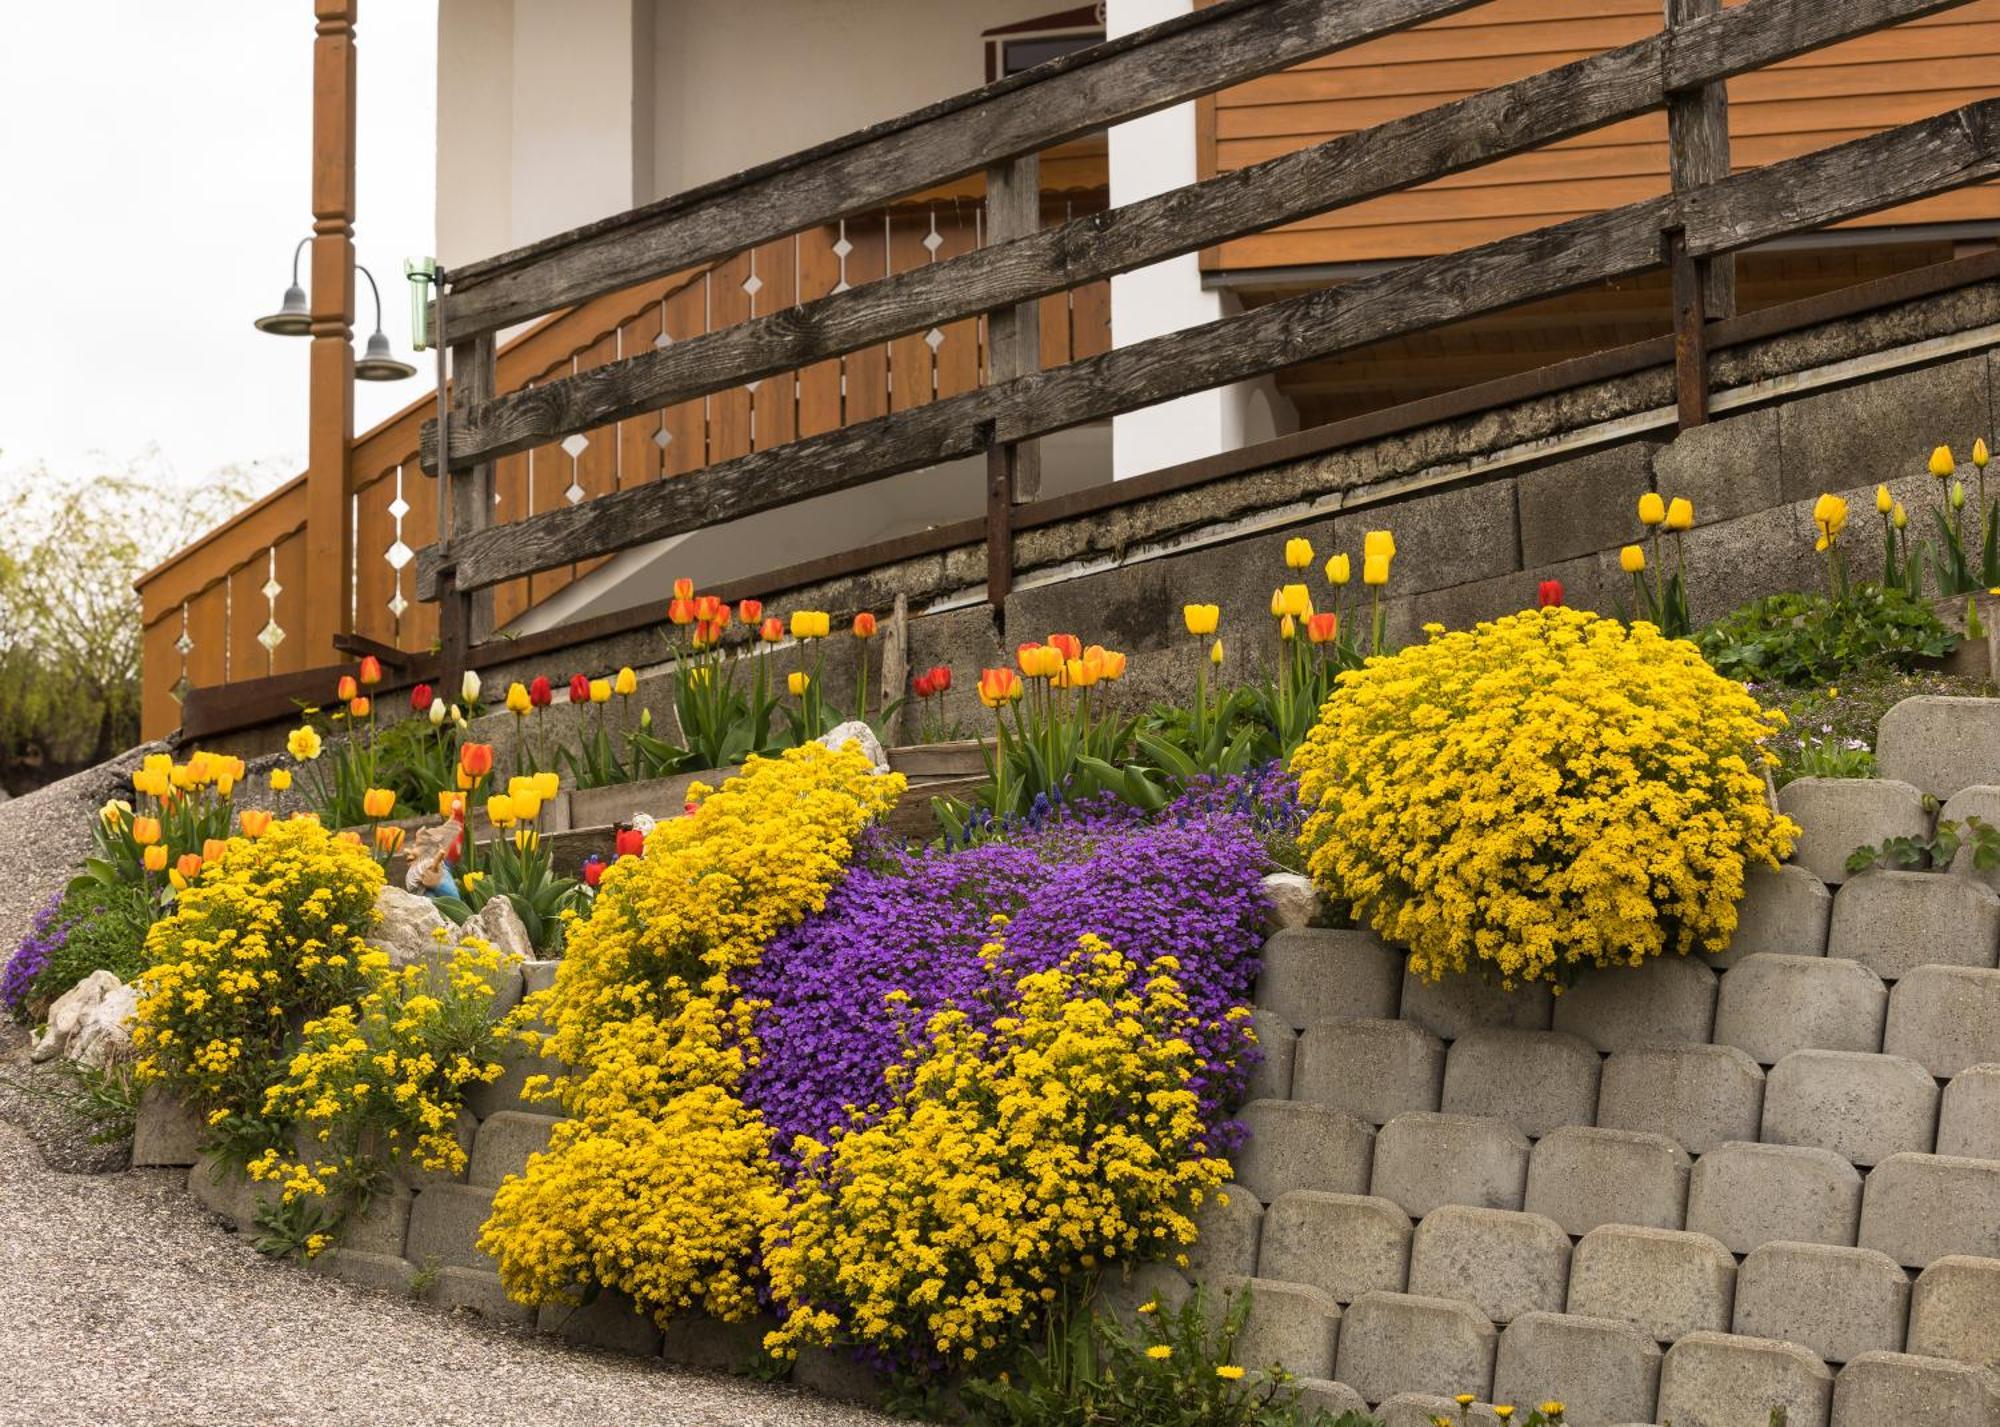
(408, 926)
(500, 925)
(91, 1023)
(861, 735)
(1293, 899)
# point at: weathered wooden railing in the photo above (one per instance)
(1694, 229)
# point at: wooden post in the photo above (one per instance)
(330, 433)
(895, 669)
(1013, 349)
(466, 618)
(1704, 289)
(1690, 333)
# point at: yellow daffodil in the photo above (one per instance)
(303, 743)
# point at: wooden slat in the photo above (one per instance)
(865, 371)
(686, 318)
(159, 710)
(912, 372)
(1938, 154)
(1409, 150)
(819, 383)
(247, 607)
(293, 594)
(510, 485)
(639, 457)
(728, 405)
(1125, 78)
(774, 403)
(374, 532)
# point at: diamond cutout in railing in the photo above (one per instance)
(663, 438)
(184, 644)
(842, 285)
(272, 589)
(750, 387)
(399, 555)
(398, 605)
(575, 444)
(753, 284)
(271, 637)
(842, 248)
(398, 508)
(934, 339)
(574, 493)
(663, 340)
(933, 240)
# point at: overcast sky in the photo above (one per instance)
(154, 177)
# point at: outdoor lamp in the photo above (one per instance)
(292, 319)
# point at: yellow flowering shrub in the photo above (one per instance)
(662, 1184)
(1547, 791)
(1063, 1139)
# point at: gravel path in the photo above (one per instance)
(125, 1305)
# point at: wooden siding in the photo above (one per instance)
(1843, 92)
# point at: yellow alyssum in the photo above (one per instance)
(1063, 1139)
(1547, 791)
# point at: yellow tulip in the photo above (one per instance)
(1338, 571)
(281, 779)
(158, 764)
(1980, 455)
(547, 785)
(1632, 559)
(1680, 513)
(1375, 570)
(1829, 515)
(1942, 462)
(114, 813)
(519, 784)
(303, 743)
(1652, 510)
(1201, 619)
(798, 682)
(449, 803)
(1298, 553)
(156, 857)
(1884, 502)
(1378, 543)
(500, 810)
(627, 682)
(518, 701)
(1215, 653)
(1297, 602)
(527, 804)
(145, 831)
(378, 802)
(1287, 629)
(600, 691)
(1277, 602)
(1899, 517)
(1078, 673)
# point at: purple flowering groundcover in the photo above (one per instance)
(45, 937)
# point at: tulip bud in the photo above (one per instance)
(371, 671)
(600, 691)
(468, 687)
(1297, 602)
(421, 698)
(1215, 653)
(388, 839)
(500, 810)
(1338, 571)
(628, 842)
(438, 713)
(750, 611)
(1958, 495)
(1277, 602)
(346, 689)
(1550, 594)
(1899, 517)
(1884, 502)
(1980, 455)
(593, 871)
(1201, 619)
(1652, 509)
(1943, 463)
(255, 822)
(771, 630)
(358, 708)
(1287, 630)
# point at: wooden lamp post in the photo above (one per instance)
(330, 438)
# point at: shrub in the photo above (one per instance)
(1800, 639)
(1547, 791)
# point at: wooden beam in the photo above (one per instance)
(465, 616)
(1698, 151)
(1690, 334)
(330, 367)
(1137, 74)
(1897, 166)
(1514, 118)
(1013, 349)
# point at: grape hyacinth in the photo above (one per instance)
(45, 937)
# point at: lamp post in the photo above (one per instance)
(294, 319)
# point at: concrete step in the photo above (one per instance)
(1837, 815)
(1940, 744)
(506, 1141)
(445, 1222)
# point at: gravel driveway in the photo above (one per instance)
(125, 1306)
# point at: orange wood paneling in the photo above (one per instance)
(819, 384)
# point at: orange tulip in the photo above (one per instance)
(750, 611)
(683, 589)
(358, 708)
(998, 686)
(371, 670)
(864, 625)
(708, 609)
(156, 857)
(145, 831)
(388, 838)
(378, 802)
(1069, 644)
(188, 865)
(346, 689)
(1323, 627)
(255, 822)
(476, 759)
(771, 630)
(350, 836)
(680, 611)
(212, 849)
(1114, 665)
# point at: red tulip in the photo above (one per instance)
(420, 698)
(371, 670)
(579, 689)
(540, 695)
(593, 871)
(750, 611)
(476, 759)
(346, 689)
(771, 630)
(941, 677)
(628, 842)
(1071, 646)
(1551, 593)
(922, 686)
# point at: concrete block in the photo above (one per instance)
(383, 1226)
(1969, 1114)
(1698, 1096)
(1945, 1018)
(1393, 1343)
(1121, 1293)
(486, 1101)
(698, 1341)
(1730, 562)
(1722, 1380)
(1582, 1177)
(1921, 1207)
(1423, 1409)
(505, 1142)
(1312, 974)
(1277, 1044)
(1460, 535)
(1297, 1146)
(1601, 1370)
(1956, 1311)
(1664, 1282)
(1981, 801)
(1423, 1161)
(1864, 1107)
(1838, 815)
(1729, 468)
(1886, 425)
(1501, 1262)
(1784, 909)
(1670, 1000)
(474, 1291)
(228, 1194)
(411, 1174)
(1538, 1080)
(1585, 504)
(1773, 1005)
(383, 1271)
(1335, 1399)
(837, 1373)
(1838, 1302)
(1450, 1006)
(1746, 1195)
(1373, 1069)
(1343, 1244)
(444, 1227)
(1290, 1325)
(1940, 744)
(1881, 1388)
(1227, 1230)
(538, 975)
(1894, 922)
(610, 1320)
(165, 1134)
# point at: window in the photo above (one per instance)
(1027, 43)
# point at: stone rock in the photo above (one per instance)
(610, 1320)
(1721, 1380)
(1772, 1005)
(1956, 1311)
(1582, 505)
(699, 1341)
(1670, 1000)
(1318, 1394)
(1503, 1263)
(1582, 1177)
(837, 1373)
(1865, 1107)
(1698, 1096)
(1747, 1195)
(1664, 1282)
(1423, 1409)
(859, 734)
(1423, 1161)
(1838, 1302)
(1291, 901)
(1969, 1115)
(1121, 1294)
(1342, 1244)
(90, 1023)
(538, 975)
(1785, 910)
(1981, 801)
(1312, 975)
(1940, 744)
(1946, 1018)
(444, 1226)
(1923, 1207)
(1838, 815)
(1450, 1006)
(166, 1133)
(1878, 1388)
(1539, 1080)
(476, 1292)
(1297, 1146)
(1393, 1343)
(1374, 1069)
(386, 1272)
(1894, 922)
(500, 925)
(408, 926)
(1601, 1370)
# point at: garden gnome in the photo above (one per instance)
(430, 861)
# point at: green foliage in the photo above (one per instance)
(1833, 722)
(102, 1099)
(1934, 853)
(519, 868)
(1834, 758)
(107, 932)
(1802, 639)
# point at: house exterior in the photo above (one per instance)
(555, 115)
